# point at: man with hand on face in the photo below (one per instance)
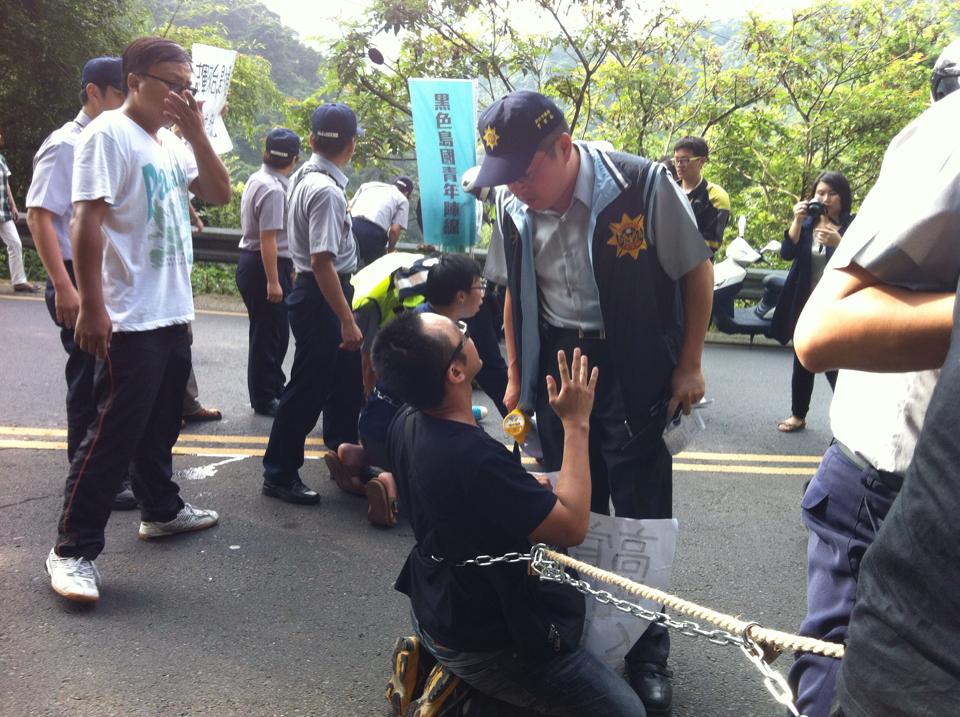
(602, 253)
(49, 208)
(326, 375)
(132, 251)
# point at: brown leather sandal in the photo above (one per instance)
(791, 425)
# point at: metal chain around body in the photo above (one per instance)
(747, 636)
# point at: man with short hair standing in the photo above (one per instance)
(49, 208)
(380, 212)
(132, 250)
(326, 374)
(265, 269)
(711, 205)
(602, 254)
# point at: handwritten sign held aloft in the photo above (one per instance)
(212, 70)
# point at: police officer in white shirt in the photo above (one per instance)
(380, 212)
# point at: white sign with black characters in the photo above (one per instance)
(212, 71)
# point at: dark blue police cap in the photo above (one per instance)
(283, 143)
(512, 129)
(335, 120)
(103, 71)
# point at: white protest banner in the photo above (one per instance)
(640, 550)
(212, 70)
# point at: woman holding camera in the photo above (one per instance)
(809, 242)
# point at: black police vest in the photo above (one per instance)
(641, 305)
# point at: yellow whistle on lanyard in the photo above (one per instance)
(517, 425)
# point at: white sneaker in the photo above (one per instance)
(74, 578)
(187, 520)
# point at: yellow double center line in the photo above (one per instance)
(194, 444)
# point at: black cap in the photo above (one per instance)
(946, 72)
(283, 143)
(404, 184)
(335, 120)
(103, 71)
(511, 130)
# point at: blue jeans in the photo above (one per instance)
(569, 684)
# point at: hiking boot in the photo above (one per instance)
(74, 578)
(410, 666)
(442, 693)
(187, 520)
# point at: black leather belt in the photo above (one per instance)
(557, 332)
(893, 481)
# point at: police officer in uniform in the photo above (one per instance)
(380, 212)
(326, 374)
(602, 253)
(265, 269)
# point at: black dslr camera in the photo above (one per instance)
(815, 209)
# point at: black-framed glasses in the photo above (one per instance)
(464, 335)
(684, 161)
(174, 87)
(481, 286)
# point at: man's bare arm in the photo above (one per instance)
(94, 329)
(393, 236)
(687, 382)
(66, 298)
(512, 395)
(854, 321)
(567, 523)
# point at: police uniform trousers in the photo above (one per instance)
(138, 390)
(634, 472)
(269, 332)
(843, 508)
(81, 407)
(324, 379)
(371, 239)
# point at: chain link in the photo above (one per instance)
(547, 569)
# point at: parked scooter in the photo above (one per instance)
(728, 278)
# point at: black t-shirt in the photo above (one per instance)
(903, 650)
(466, 495)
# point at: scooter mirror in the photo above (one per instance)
(772, 246)
(741, 225)
(742, 253)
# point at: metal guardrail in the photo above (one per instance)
(221, 245)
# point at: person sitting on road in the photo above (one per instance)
(455, 289)
(809, 242)
(467, 495)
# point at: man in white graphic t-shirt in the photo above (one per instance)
(132, 253)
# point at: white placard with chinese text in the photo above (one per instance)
(212, 70)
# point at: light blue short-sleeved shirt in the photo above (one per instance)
(317, 220)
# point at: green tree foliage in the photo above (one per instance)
(779, 101)
(252, 29)
(45, 43)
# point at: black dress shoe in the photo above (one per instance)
(295, 492)
(267, 409)
(651, 682)
(125, 499)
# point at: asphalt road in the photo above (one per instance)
(284, 610)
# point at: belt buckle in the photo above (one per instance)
(600, 334)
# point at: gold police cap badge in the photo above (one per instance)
(629, 236)
(490, 137)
